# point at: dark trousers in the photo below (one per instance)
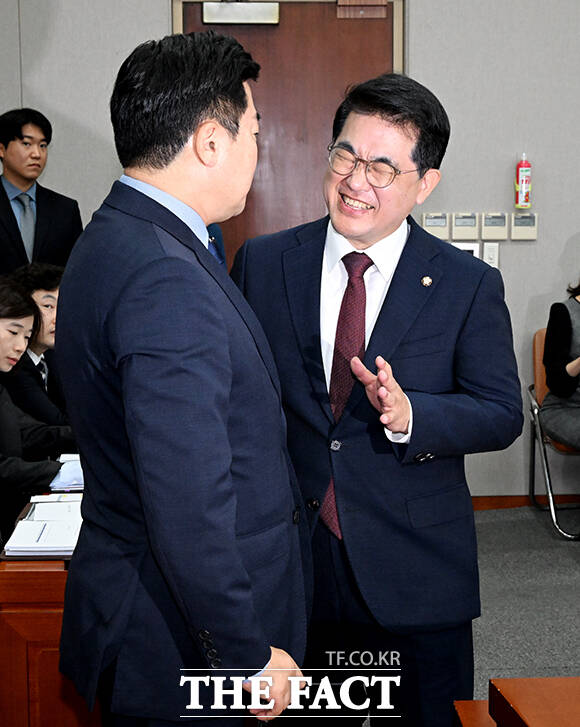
(436, 666)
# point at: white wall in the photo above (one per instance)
(507, 72)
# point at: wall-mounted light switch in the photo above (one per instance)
(491, 253)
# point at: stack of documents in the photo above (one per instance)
(76, 486)
(50, 528)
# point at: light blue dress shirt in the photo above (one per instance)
(185, 213)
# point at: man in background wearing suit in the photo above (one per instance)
(33, 383)
(35, 222)
(189, 556)
(382, 475)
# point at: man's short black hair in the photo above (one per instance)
(406, 103)
(38, 276)
(166, 88)
(11, 123)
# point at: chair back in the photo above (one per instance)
(540, 385)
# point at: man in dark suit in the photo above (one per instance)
(33, 383)
(36, 223)
(395, 561)
(189, 555)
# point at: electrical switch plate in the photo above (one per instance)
(437, 223)
(491, 253)
(494, 226)
(464, 226)
(524, 226)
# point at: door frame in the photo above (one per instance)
(398, 26)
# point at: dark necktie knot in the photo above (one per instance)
(356, 264)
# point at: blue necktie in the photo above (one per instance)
(212, 247)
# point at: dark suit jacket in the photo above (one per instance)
(25, 470)
(405, 510)
(190, 550)
(26, 388)
(58, 224)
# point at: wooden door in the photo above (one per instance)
(308, 61)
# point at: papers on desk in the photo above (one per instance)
(69, 485)
(50, 529)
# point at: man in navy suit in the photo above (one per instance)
(382, 475)
(190, 553)
(36, 223)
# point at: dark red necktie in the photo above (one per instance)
(349, 342)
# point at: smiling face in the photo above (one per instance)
(360, 212)
(24, 159)
(14, 336)
(46, 301)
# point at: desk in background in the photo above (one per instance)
(33, 693)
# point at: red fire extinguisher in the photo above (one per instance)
(523, 183)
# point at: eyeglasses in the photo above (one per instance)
(378, 174)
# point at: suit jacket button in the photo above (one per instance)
(296, 516)
(207, 643)
(313, 504)
(420, 457)
(204, 634)
(335, 445)
(430, 456)
(215, 663)
(211, 654)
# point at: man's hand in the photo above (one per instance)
(385, 394)
(279, 668)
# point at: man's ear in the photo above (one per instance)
(206, 142)
(2, 151)
(428, 183)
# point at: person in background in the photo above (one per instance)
(25, 444)
(36, 223)
(560, 410)
(382, 474)
(33, 384)
(216, 243)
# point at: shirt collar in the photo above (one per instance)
(185, 213)
(13, 191)
(385, 253)
(36, 359)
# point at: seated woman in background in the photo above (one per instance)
(25, 443)
(560, 412)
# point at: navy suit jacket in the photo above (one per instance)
(190, 551)
(405, 510)
(58, 225)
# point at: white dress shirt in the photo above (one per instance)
(385, 255)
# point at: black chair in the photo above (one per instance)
(536, 393)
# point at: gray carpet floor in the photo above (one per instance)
(530, 594)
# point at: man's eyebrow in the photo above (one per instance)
(49, 296)
(347, 146)
(28, 136)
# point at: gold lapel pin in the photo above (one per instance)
(426, 281)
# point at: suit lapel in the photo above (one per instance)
(409, 291)
(10, 226)
(43, 215)
(302, 267)
(131, 201)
